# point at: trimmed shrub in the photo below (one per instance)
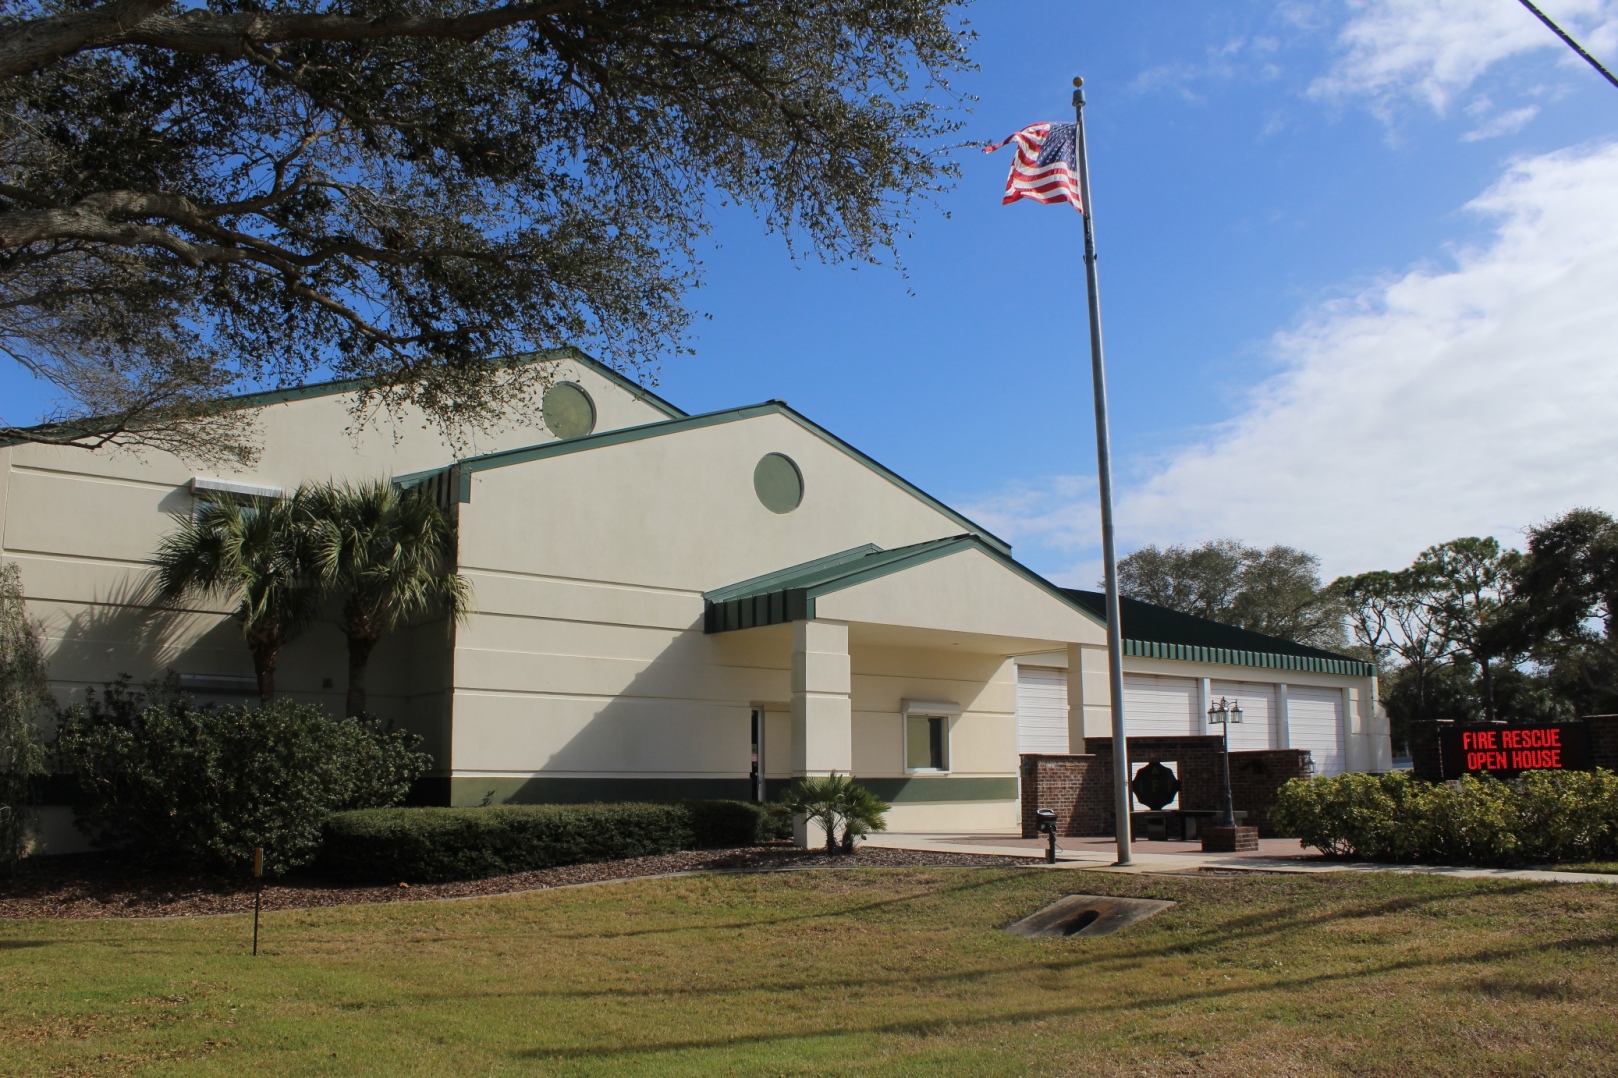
(1539, 816)
(777, 821)
(436, 845)
(718, 824)
(203, 785)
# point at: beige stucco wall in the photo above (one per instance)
(586, 657)
(679, 512)
(82, 527)
(968, 592)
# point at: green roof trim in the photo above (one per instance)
(267, 397)
(1150, 649)
(783, 578)
(789, 594)
(1157, 632)
(623, 435)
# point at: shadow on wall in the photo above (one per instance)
(679, 724)
(125, 631)
(607, 738)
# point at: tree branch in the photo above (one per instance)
(38, 43)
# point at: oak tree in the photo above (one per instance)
(1275, 590)
(196, 199)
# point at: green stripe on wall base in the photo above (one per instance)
(465, 790)
(469, 790)
(941, 788)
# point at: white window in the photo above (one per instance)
(926, 743)
(926, 732)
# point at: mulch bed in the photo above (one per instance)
(108, 885)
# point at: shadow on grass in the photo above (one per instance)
(18, 945)
(1253, 930)
(935, 1026)
(765, 922)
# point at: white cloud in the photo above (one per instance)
(1433, 50)
(1506, 123)
(1060, 512)
(1469, 399)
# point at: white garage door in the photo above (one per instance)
(1257, 729)
(1315, 722)
(1041, 709)
(1160, 706)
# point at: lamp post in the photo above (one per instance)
(1224, 714)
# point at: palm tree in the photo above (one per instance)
(255, 550)
(390, 554)
(862, 812)
(832, 799)
(816, 797)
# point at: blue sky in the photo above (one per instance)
(1359, 263)
(1262, 172)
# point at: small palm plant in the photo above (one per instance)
(862, 812)
(390, 555)
(256, 552)
(832, 799)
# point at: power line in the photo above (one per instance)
(1574, 45)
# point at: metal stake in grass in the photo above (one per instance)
(258, 891)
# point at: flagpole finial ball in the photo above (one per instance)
(1078, 80)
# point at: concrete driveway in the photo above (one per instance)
(1180, 858)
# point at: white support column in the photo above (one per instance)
(1204, 702)
(1089, 696)
(822, 709)
(1355, 754)
(1283, 718)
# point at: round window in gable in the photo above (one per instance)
(778, 483)
(569, 412)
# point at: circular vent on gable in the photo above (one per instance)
(568, 410)
(778, 483)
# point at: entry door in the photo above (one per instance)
(1315, 722)
(1041, 710)
(758, 755)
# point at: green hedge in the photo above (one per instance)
(435, 845)
(171, 780)
(1541, 816)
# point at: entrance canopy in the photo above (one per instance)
(957, 585)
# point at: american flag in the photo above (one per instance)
(1046, 168)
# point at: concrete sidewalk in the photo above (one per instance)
(1187, 858)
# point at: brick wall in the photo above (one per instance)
(1256, 779)
(1603, 740)
(1078, 788)
(1426, 759)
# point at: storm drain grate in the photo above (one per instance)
(1086, 915)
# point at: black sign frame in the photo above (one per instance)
(1496, 748)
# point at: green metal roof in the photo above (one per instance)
(464, 469)
(1156, 632)
(268, 397)
(789, 594)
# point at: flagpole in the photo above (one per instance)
(1109, 558)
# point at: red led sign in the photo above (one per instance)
(1506, 749)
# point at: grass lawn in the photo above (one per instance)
(1591, 866)
(897, 971)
